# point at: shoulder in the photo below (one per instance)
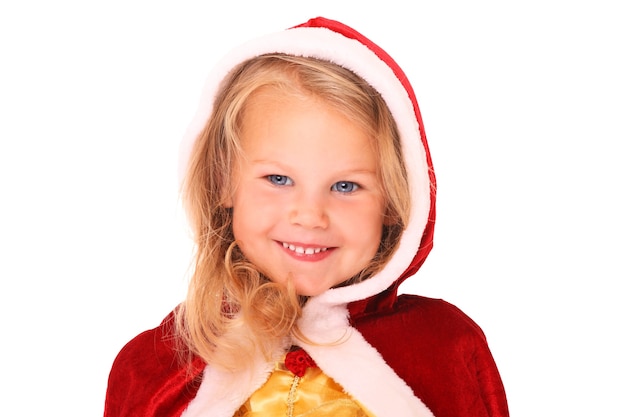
(150, 377)
(441, 353)
(418, 316)
(151, 348)
(421, 327)
(437, 314)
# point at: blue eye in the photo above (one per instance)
(279, 179)
(345, 187)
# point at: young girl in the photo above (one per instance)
(310, 190)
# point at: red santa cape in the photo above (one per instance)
(400, 355)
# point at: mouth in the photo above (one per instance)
(303, 250)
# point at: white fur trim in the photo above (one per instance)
(341, 352)
(222, 393)
(351, 361)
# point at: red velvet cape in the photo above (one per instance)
(448, 365)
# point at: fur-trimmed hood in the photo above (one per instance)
(354, 363)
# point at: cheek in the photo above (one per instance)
(253, 219)
(244, 224)
(241, 215)
(244, 236)
(241, 203)
(377, 220)
(365, 225)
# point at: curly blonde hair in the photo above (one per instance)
(232, 312)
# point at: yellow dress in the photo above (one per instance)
(314, 394)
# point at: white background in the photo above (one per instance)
(524, 107)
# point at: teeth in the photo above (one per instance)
(303, 251)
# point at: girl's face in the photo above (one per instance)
(307, 204)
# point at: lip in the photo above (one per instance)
(306, 252)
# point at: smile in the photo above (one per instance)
(302, 250)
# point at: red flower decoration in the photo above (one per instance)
(297, 361)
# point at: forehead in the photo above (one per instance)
(336, 86)
(288, 123)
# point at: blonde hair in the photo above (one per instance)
(233, 312)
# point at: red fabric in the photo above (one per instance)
(148, 379)
(298, 361)
(449, 365)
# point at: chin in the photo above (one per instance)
(312, 291)
(308, 291)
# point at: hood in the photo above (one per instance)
(326, 318)
(335, 42)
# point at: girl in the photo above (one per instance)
(309, 187)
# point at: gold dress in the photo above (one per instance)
(307, 391)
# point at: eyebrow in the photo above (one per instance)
(341, 172)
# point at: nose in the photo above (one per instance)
(309, 211)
